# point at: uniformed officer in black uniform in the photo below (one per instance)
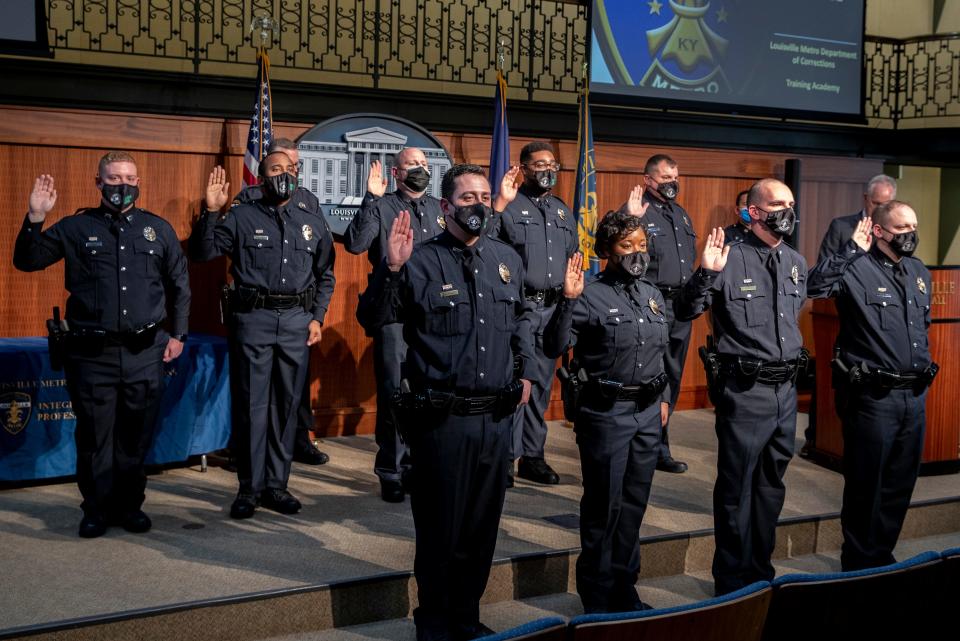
(737, 232)
(673, 247)
(304, 451)
(123, 266)
(756, 289)
(277, 257)
(459, 297)
(880, 189)
(543, 230)
(620, 334)
(881, 375)
(369, 231)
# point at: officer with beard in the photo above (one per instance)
(277, 256)
(755, 289)
(882, 371)
(542, 229)
(369, 231)
(459, 300)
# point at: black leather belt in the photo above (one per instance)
(771, 372)
(546, 296)
(646, 393)
(473, 405)
(279, 301)
(669, 293)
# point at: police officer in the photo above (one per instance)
(543, 230)
(880, 189)
(123, 266)
(620, 334)
(737, 231)
(277, 256)
(459, 297)
(369, 231)
(755, 289)
(304, 451)
(672, 254)
(881, 375)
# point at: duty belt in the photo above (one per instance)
(546, 296)
(643, 392)
(279, 301)
(770, 372)
(890, 379)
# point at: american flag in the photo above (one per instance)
(260, 123)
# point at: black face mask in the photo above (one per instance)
(780, 222)
(669, 190)
(633, 265)
(903, 244)
(417, 179)
(473, 218)
(544, 179)
(119, 197)
(280, 187)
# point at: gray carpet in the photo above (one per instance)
(195, 551)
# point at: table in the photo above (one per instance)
(37, 421)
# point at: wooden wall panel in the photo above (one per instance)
(175, 155)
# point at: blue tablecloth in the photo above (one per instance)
(37, 422)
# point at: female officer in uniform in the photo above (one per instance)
(619, 334)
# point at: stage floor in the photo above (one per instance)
(196, 552)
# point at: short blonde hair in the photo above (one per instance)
(111, 157)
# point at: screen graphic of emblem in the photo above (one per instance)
(15, 411)
(682, 48)
(116, 198)
(307, 232)
(149, 234)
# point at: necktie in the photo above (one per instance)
(468, 259)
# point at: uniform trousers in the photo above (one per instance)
(882, 446)
(673, 361)
(389, 351)
(459, 475)
(115, 390)
(618, 456)
(756, 426)
(269, 359)
(530, 424)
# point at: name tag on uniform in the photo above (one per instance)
(524, 212)
(881, 289)
(93, 242)
(450, 292)
(615, 310)
(261, 237)
(748, 288)
(747, 281)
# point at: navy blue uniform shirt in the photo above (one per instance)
(543, 230)
(884, 307)
(305, 200)
(672, 242)
(278, 250)
(119, 268)
(840, 231)
(463, 313)
(755, 309)
(369, 231)
(617, 329)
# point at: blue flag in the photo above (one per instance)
(500, 146)
(585, 189)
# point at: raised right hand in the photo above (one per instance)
(218, 189)
(400, 243)
(635, 205)
(714, 253)
(573, 280)
(42, 198)
(861, 235)
(376, 183)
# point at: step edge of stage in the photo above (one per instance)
(406, 576)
